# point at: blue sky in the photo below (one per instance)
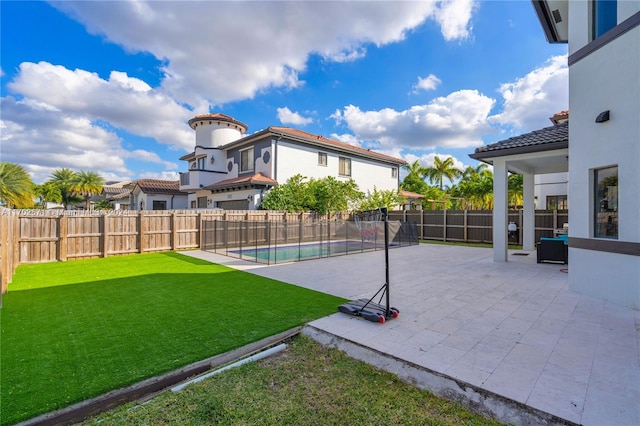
(109, 86)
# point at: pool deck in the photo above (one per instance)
(510, 339)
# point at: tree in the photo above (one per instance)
(48, 192)
(87, 184)
(16, 188)
(515, 191)
(476, 187)
(414, 181)
(103, 205)
(385, 198)
(442, 169)
(63, 179)
(319, 195)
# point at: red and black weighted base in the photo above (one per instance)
(369, 310)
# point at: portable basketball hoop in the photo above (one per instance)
(368, 222)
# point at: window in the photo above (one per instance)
(322, 159)
(193, 204)
(606, 203)
(246, 160)
(159, 205)
(344, 168)
(201, 162)
(605, 16)
(557, 202)
(202, 202)
(394, 173)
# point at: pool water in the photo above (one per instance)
(277, 254)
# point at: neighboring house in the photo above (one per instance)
(230, 171)
(604, 154)
(117, 193)
(152, 194)
(551, 189)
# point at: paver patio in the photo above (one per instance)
(511, 329)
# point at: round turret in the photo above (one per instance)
(215, 130)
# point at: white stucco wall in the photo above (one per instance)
(549, 184)
(606, 79)
(212, 135)
(297, 159)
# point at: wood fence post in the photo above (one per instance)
(422, 212)
(141, 229)
(199, 230)
(62, 238)
(105, 235)
(15, 236)
(465, 227)
(173, 243)
(4, 268)
(444, 223)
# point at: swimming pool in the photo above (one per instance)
(290, 253)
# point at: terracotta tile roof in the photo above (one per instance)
(257, 179)
(339, 145)
(218, 117)
(410, 194)
(549, 138)
(154, 186)
(560, 117)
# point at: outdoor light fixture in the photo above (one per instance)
(602, 117)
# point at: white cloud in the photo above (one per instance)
(286, 116)
(161, 175)
(529, 101)
(454, 17)
(122, 101)
(456, 121)
(430, 82)
(226, 51)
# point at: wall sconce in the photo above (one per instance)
(602, 117)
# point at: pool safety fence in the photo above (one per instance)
(278, 242)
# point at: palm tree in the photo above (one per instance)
(87, 184)
(515, 191)
(63, 179)
(414, 181)
(442, 169)
(470, 172)
(16, 188)
(48, 192)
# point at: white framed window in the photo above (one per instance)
(246, 160)
(322, 158)
(202, 202)
(201, 162)
(344, 166)
(394, 172)
(605, 202)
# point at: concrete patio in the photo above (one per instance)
(509, 339)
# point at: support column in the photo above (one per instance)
(528, 217)
(500, 206)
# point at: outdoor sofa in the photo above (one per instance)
(553, 250)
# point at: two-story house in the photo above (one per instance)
(604, 148)
(230, 170)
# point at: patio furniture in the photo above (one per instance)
(553, 250)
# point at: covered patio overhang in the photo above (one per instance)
(539, 152)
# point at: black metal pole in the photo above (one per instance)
(386, 258)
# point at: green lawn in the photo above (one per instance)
(74, 330)
(307, 384)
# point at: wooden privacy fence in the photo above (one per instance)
(476, 226)
(30, 236)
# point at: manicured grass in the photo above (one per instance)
(74, 330)
(457, 243)
(307, 384)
